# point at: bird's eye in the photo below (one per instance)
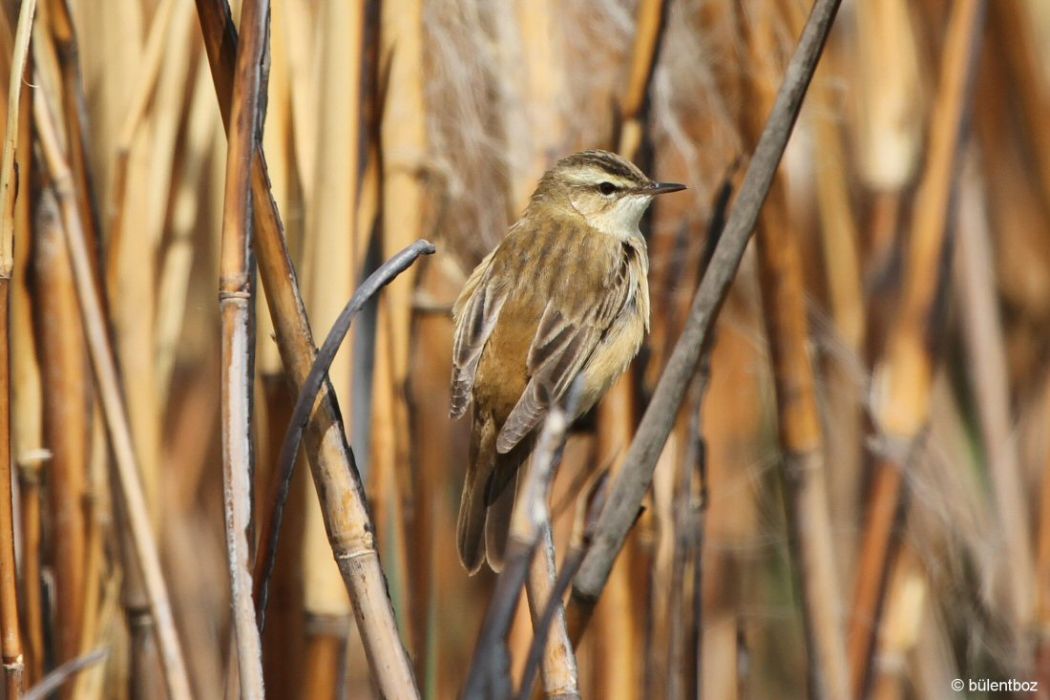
(607, 188)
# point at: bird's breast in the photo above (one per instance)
(617, 348)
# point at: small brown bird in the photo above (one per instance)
(564, 293)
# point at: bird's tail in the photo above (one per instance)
(488, 497)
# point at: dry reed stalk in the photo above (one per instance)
(619, 633)
(542, 86)
(801, 435)
(684, 527)
(890, 94)
(91, 684)
(147, 158)
(283, 636)
(560, 672)
(403, 144)
(660, 614)
(1042, 658)
(278, 139)
(1017, 212)
(10, 633)
(324, 654)
(349, 529)
(985, 347)
(840, 244)
(890, 117)
(311, 387)
(284, 632)
(98, 520)
(59, 676)
(314, 383)
(616, 412)
(300, 18)
(29, 475)
(629, 488)
(489, 674)
(178, 262)
(389, 472)
(906, 606)
(330, 267)
(63, 35)
(904, 376)
(1012, 23)
(66, 405)
(138, 103)
(391, 489)
(650, 19)
(109, 390)
(27, 412)
(143, 675)
(444, 457)
(67, 402)
(236, 304)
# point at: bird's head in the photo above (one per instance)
(610, 192)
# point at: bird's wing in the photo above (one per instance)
(567, 334)
(476, 311)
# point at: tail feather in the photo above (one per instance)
(497, 525)
(470, 529)
(500, 495)
(487, 502)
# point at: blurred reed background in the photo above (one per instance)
(856, 487)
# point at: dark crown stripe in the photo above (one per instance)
(614, 165)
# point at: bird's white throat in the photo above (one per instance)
(621, 220)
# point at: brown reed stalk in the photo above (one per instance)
(350, 532)
(27, 429)
(617, 415)
(236, 304)
(802, 442)
(904, 376)
(489, 674)
(146, 156)
(630, 486)
(801, 435)
(975, 286)
(97, 518)
(141, 94)
(29, 475)
(312, 386)
(27, 411)
(63, 35)
(889, 92)
(178, 263)
(10, 633)
(67, 399)
(59, 676)
(108, 385)
(650, 19)
(560, 672)
(66, 392)
(660, 520)
(1017, 37)
(840, 245)
(403, 146)
(332, 261)
(1042, 652)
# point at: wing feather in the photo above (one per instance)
(476, 311)
(564, 342)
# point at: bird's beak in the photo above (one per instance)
(665, 187)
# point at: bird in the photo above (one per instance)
(564, 294)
